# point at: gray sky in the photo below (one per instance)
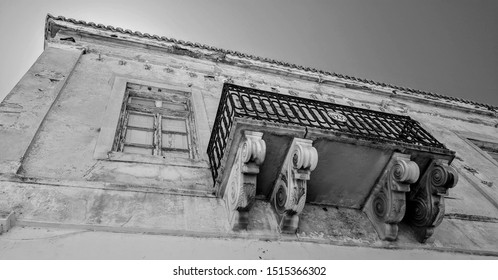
(449, 47)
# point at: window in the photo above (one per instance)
(168, 124)
(154, 121)
(488, 147)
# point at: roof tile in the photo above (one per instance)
(272, 61)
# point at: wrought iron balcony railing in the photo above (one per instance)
(238, 101)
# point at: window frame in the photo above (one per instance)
(468, 138)
(158, 114)
(107, 140)
(491, 148)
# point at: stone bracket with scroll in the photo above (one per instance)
(241, 187)
(386, 205)
(289, 193)
(425, 205)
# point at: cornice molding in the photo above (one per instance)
(493, 110)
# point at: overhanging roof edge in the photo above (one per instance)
(258, 58)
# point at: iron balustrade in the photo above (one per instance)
(359, 123)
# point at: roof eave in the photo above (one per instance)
(482, 108)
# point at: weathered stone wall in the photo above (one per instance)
(24, 109)
(50, 124)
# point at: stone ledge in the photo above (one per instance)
(180, 215)
(284, 239)
(7, 220)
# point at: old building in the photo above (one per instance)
(124, 132)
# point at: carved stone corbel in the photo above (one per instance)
(289, 192)
(386, 205)
(425, 206)
(241, 186)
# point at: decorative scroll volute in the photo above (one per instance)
(289, 192)
(241, 187)
(426, 199)
(387, 204)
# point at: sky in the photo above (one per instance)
(443, 46)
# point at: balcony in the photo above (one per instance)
(293, 151)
